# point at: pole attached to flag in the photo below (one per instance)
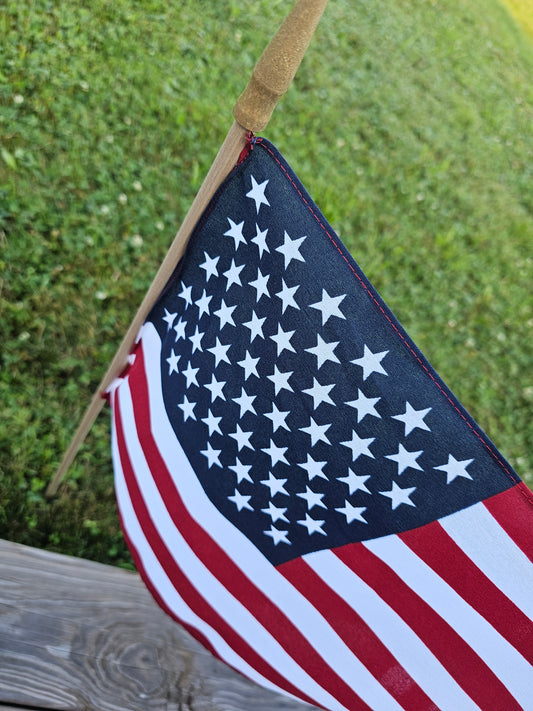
(270, 79)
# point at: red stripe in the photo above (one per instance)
(358, 636)
(436, 548)
(191, 595)
(201, 638)
(513, 509)
(223, 567)
(470, 672)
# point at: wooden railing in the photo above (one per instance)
(78, 635)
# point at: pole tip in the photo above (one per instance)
(277, 65)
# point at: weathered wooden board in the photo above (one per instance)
(75, 634)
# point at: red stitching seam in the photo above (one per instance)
(527, 495)
(247, 148)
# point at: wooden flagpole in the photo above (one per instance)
(270, 79)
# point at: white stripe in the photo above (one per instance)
(242, 551)
(494, 552)
(227, 606)
(507, 664)
(417, 660)
(161, 582)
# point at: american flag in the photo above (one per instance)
(299, 488)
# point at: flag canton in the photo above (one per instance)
(309, 417)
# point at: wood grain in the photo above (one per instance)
(76, 635)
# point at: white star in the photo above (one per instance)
(260, 285)
(312, 498)
(260, 240)
(276, 486)
(277, 536)
(313, 468)
(250, 365)
(276, 454)
(180, 329)
(242, 438)
(224, 314)
(220, 352)
(216, 386)
(316, 432)
(278, 418)
(359, 446)
(203, 304)
(281, 380)
(212, 422)
(190, 374)
(232, 275)
(329, 306)
(405, 459)
(173, 362)
(169, 318)
(255, 326)
(241, 470)
(320, 393)
(413, 418)
(210, 266)
(287, 296)
(241, 501)
(291, 249)
(352, 513)
(371, 362)
(276, 513)
(324, 351)
(212, 455)
(283, 340)
(355, 482)
(365, 406)
(245, 402)
(188, 409)
(186, 294)
(455, 468)
(312, 525)
(398, 496)
(196, 340)
(257, 193)
(235, 231)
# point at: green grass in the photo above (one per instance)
(409, 123)
(523, 12)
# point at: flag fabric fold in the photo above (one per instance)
(300, 489)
